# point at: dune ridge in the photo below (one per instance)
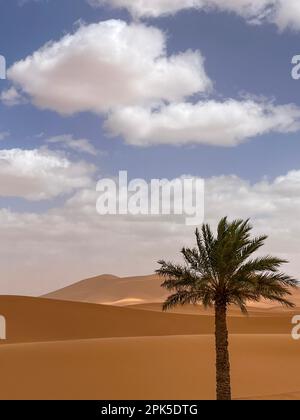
(110, 289)
(38, 319)
(124, 291)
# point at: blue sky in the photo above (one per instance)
(240, 58)
(243, 61)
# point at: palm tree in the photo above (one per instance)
(218, 273)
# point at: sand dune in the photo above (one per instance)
(178, 367)
(112, 290)
(61, 349)
(233, 311)
(37, 319)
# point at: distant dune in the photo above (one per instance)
(127, 291)
(111, 290)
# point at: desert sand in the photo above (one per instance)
(125, 291)
(67, 349)
(113, 290)
(175, 367)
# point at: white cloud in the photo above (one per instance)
(70, 243)
(69, 142)
(150, 8)
(225, 123)
(122, 71)
(11, 97)
(40, 174)
(107, 65)
(283, 13)
(271, 204)
(287, 14)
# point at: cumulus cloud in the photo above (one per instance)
(69, 142)
(287, 14)
(77, 242)
(11, 97)
(283, 13)
(122, 71)
(40, 174)
(106, 65)
(225, 123)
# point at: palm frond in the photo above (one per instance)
(220, 268)
(182, 297)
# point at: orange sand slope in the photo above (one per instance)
(177, 367)
(61, 349)
(254, 311)
(37, 319)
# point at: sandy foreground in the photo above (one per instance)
(73, 350)
(177, 367)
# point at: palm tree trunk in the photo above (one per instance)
(222, 353)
